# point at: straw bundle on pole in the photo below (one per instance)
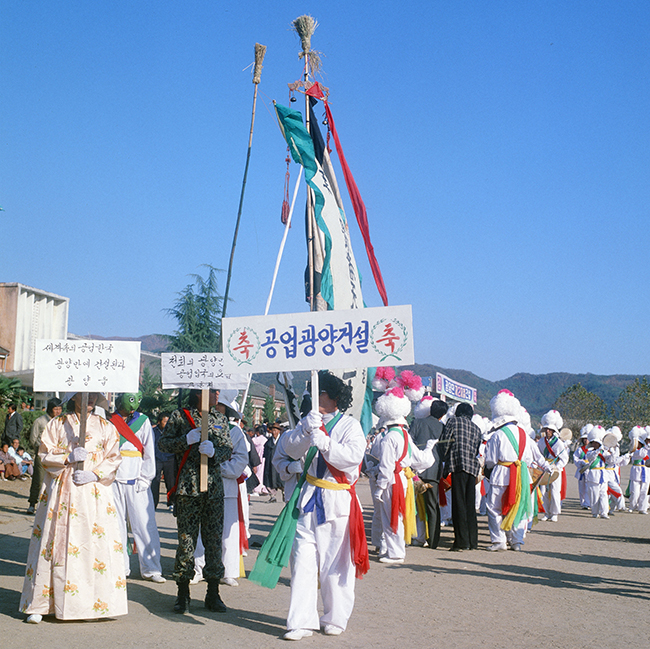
(260, 51)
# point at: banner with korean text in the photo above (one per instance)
(198, 371)
(373, 337)
(86, 366)
(455, 390)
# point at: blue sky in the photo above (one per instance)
(502, 150)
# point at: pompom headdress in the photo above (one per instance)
(394, 406)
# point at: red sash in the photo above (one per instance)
(243, 539)
(398, 502)
(123, 429)
(443, 486)
(358, 540)
(172, 491)
(563, 485)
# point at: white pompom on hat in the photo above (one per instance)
(635, 433)
(584, 431)
(616, 431)
(596, 434)
(394, 406)
(505, 407)
(525, 422)
(384, 378)
(422, 409)
(553, 420)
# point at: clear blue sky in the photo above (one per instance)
(502, 150)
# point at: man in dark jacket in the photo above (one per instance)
(461, 460)
(421, 432)
(13, 424)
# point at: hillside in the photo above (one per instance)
(537, 392)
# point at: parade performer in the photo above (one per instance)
(193, 508)
(597, 462)
(75, 568)
(330, 545)
(234, 473)
(400, 460)
(507, 457)
(132, 493)
(579, 460)
(556, 453)
(373, 454)
(613, 471)
(287, 467)
(639, 472)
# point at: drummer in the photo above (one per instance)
(556, 453)
(580, 460)
(598, 459)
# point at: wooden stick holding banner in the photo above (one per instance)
(205, 409)
(83, 420)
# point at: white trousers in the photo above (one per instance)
(138, 508)
(583, 492)
(551, 497)
(493, 502)
(638, 496)
(321, 553)
(375, 528)
(392, 545)
(598, 498)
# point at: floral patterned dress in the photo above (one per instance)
(75, 565)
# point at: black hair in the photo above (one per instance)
(336, 389)
(194, 399)
(438, 409)
(51, 404)
(464, 410)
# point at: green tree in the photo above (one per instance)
(154, 399)
(578, 407)
(198, 315)
(249, 411)
(11, 390)
(632, 406)
(268, 412)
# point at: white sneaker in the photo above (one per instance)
(297, 634)
(331, 629)
(229, 581)
(196, 579)
(553, 519)
(517, 547)
(34, 618)
(157, 579)
(497, 547)
(389, 560)
(544, 518)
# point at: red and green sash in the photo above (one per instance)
(516, 503)
(128, 431)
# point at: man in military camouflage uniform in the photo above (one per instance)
(194, 509)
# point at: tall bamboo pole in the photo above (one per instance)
(260, 51)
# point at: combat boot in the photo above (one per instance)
(182, 603)
(212, 600)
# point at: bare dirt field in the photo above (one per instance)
(580, 582)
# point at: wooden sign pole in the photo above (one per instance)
(83, 418)
(205, 408)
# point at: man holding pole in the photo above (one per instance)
(329, 545)
(193, 507)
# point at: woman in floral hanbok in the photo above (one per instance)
(75, 565)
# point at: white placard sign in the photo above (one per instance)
(198, 370)
(87, 366)
(314, 340)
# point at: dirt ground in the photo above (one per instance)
(581, 582)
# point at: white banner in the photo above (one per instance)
(199, 371)
(455, 390)
(87, 366)
(316, 340)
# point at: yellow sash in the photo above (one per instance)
(410, 522)
(127, 453)
(326, 484)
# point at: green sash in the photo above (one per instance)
(276, 549)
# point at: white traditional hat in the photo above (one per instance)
(616, 431)
(422, 409)
(525, 422)
(505, 407)
(553, 420)
(394, 406)
(229, 399)
(596, 434)
(635, 433)
(584, 431)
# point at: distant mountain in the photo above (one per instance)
(537, 392)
